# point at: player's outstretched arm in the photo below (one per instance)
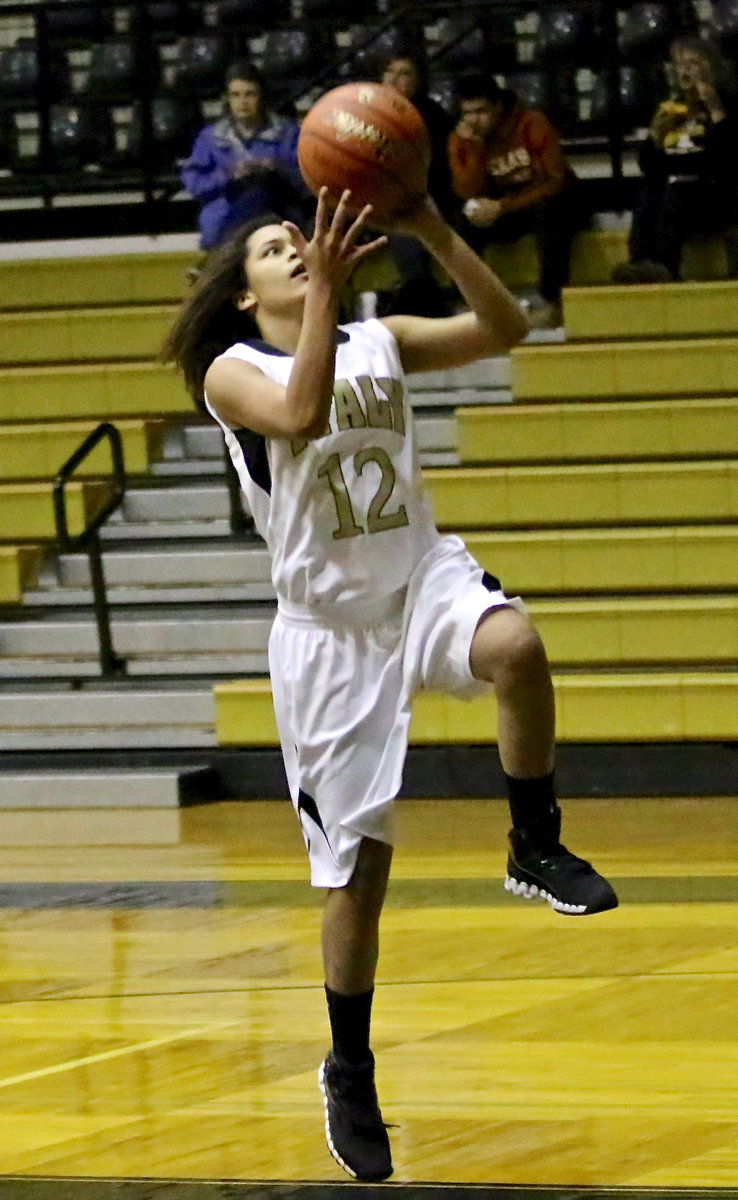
(495, 323)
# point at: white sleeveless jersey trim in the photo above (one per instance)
(345, 516)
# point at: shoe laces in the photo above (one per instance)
(558, 856)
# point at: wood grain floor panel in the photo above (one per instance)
(148, 1033)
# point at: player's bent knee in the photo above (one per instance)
(507, 646)
(372, 868)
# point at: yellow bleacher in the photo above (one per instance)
(18, 571)
(602, 707)
(103, 390)
(42, 283)
(607, 494)
(677, 367)
(601, 430)
(27, 512)
(84, 334)
(78, 337)
(37, 450)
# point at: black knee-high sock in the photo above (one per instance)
(534, 809)
(350, 1018)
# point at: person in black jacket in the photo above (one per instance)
(420, 292)
(690, 166)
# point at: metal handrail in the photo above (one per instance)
(111, 665)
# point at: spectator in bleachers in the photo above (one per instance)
(690, 166)
(244, 164)
(509, 168)
(406, 73)
(420, 292)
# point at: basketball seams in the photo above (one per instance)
(360, 164)
(406, 128)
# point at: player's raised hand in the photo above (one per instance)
(332, 252)
(421, 220)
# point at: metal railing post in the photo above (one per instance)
(111, 665)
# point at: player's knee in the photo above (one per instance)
(509, 651)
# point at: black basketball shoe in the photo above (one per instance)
(570, 884)
(354, 1129)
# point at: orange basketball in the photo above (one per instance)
(369, 138)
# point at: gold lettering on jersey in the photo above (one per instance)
(376, 403)
(395, 393)
(378, 411)
(349, 413)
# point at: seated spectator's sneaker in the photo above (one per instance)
(354, 1129)
(546, 314)
(571, 885)
(644, 271)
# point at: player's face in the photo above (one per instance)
(481, 116)
(244, 99)
(402, 75)
(276, 277)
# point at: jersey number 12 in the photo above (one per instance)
(377, 519)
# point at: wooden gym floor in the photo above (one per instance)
(162, 1015)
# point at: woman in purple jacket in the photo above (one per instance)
(244, 164)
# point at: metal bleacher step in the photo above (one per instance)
(197, 444)
(198, 451)
(175, 503)
(487, 381)
(203, 593)
(43, 717)
(590, 631)
(629, 558)
(104, 787)
(161, 666)
(165, 566)
(165, 642)
(129, 532)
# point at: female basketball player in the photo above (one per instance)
(373, 604)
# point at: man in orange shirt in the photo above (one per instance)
(508, 166)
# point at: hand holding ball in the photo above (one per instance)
(369, 139)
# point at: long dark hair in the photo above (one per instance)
(209, 321)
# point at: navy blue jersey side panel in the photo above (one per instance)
(253, 447)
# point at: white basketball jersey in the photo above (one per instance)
(345, 515)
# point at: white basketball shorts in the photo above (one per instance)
(342, 696)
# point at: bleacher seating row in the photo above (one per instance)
(78, 80)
